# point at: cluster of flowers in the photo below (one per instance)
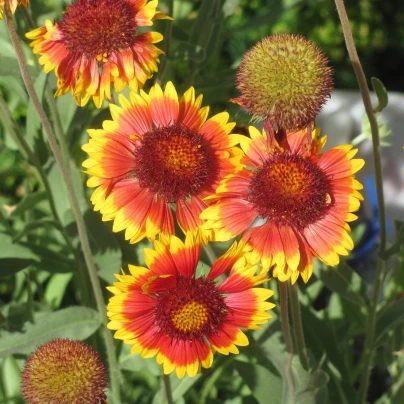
(161, 154)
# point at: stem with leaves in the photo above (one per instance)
(95, 282)
(369, 349)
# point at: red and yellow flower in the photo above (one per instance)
(12, 4)
(166, 312)
(301, 197)
(156, 153)
(97, 44)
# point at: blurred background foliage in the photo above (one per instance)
(39, 272)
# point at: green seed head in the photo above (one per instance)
(63, 371)
(286, 79)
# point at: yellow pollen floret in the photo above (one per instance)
(191, 317)
(179, 154)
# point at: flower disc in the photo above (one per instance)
(105, 26)
(174, 162)
(290, 190)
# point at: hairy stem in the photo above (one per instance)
(85, 245)
(298, 325)
(369, 349)
(283, 291)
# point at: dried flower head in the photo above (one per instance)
(64, 371)
(286, 79)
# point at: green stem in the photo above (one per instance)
(283, 291)
(360, 76)
(167, 388)
(298, 325)
(167, 43)
(50, 99)
(85, 245)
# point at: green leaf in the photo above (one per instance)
(388, 319)
(9, 67)
(311, 386)
(73, 322)
(262, 383)
(344, 281)
(229, 7)
(105, 248)
(60, 193)
(28, 202)
(32, 226)
(55, 289)
(49, 260)
(320, 338)
(381, 93)
(10, 377)
(398, 243)
(14, 257)
(33, 129)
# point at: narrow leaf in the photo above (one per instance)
(28, 202)
(381, 93)
(389, 319)
(9, 67)
(398, 243)
(344, 281)
(13, 257)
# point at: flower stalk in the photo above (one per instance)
(369, 349)
(283, 291)
(109, 343)
(298, 325)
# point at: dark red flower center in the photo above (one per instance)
(174, 162)
(193, 310)
(95, 28)
(289, 189)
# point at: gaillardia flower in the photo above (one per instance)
(158, 152)
(12, 4)
(65, 372)
(284, 78)
(168, 312)
(302, 197)
(97, 44)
